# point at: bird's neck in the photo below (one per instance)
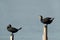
(41, 18)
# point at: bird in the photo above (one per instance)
(12, 29)
(47, 20)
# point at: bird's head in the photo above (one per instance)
(9, 26)
(41, 17)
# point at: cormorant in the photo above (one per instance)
(46, 20)
(12, 29)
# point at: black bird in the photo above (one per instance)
(46, 20)
(12, 29)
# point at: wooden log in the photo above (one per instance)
(45, 33)
(12, 36)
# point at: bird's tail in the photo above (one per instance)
(52, 18)
(20, 28)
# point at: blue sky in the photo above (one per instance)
(26, 12)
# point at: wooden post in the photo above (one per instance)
(45, 33)
(12, 36)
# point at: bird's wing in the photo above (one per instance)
(13, 29)
(48, 18)
(45, 19)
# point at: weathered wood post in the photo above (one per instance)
(12, 36)
(45, 32)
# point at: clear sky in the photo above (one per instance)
(26, 12)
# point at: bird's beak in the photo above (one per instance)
(39, 17)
